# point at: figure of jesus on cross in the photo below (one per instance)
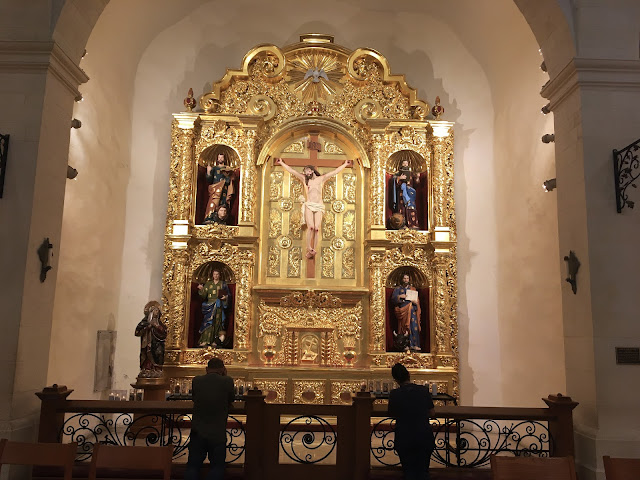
(313, 205)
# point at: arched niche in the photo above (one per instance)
(209, 198)
(407, 191)
(283, 234)
(394, 317)
(201, 275)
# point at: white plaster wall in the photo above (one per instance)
(496, 121)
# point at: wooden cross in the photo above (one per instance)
(314, 146)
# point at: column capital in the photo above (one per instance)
(39, 57)
(592, 73)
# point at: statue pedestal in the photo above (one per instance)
(148, 423)
(154, 388)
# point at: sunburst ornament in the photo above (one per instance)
(316, 77)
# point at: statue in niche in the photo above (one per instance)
(403, 198)
(217, 299)
(221, 190)
(407, 314)
(220, 217)
(313, 206)
(152, 333)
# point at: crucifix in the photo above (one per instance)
(312, 182)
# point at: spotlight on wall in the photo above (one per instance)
(548, 138)
(549, 185)
(543, 66)
(75, 123)
(546, 109)
(71, 172)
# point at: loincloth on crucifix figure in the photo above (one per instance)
(312, 207)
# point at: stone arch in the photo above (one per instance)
(552, 31)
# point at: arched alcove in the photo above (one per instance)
(468, 102)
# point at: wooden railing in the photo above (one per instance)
(315, 441)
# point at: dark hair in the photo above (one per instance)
(215, 364)
(313, 169)
(400, 373)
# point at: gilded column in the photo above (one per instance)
(442, 181)
(178, 216)
(246, 259)
(376, 198)
(442, 306)
(376, 305)
(452, 295)
(174, 293)
(249, 183)
(438, 183)
(183, 172)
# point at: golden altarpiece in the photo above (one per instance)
(311, 329)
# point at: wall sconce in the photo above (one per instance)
(44, 256)
(79, 98)
(75, 123)
(548, 138)
(626, 170)
(546, 109)
(543, 66)
(71, 172)
(549, 185)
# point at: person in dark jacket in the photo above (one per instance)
(212, 395)
(411, 405)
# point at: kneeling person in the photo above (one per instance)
(212, 395)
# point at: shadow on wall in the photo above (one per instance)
(419, 73)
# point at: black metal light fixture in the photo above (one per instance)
(4, 151)
(549, 185)
(626, 170)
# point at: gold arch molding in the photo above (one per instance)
(300, 126)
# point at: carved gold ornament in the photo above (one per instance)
(308, 391)
(331, 148)
(286, 204)
(316, 76)
(295, 147)
(337, 243)
(338, 206)
(263, 106)
(285, 242)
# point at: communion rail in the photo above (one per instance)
(267, 440)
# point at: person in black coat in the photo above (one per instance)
(411, 405)
(212, 395)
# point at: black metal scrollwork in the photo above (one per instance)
(302, 438)
(382, 442)
(87, 429)
(626, 170)
(235, 441)
(469, 443)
